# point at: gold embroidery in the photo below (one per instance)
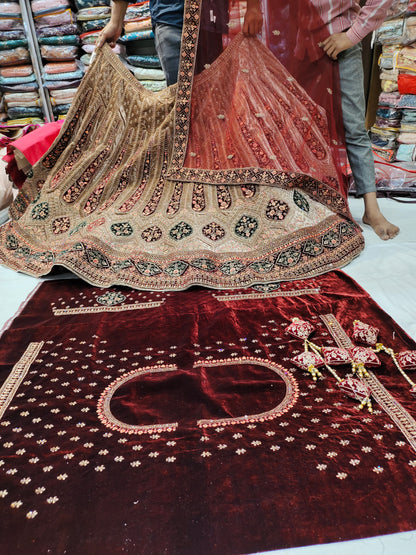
(290, 398)
(244, 296)
(96, 309)
(17, 375)
(109, 420)
(399, 415)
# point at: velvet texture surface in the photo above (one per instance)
(152, 422)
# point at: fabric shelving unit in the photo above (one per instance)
(393, 134)
(23, 100)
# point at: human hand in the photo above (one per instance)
(253, 21)
(109, 34)
(335, 44)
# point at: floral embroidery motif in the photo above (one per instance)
(180, 231)
(331, 239)
(75, 190)
(246, 227)
(223, 197)
(52, 156)
(177, 268)
(249, 190)
(79, 148)
(300, 201)
(300, 328)
(277, 210)
(307, 359)
(40, 211)
(97, 258)
(364, 333)
(266, 287)
(175, 201)
(232, 267)
(11, 242)
(198, 197)
(213, 231)
(111, 298)
(61, 225)
(313, 248)
(311, 139)
(365, 356)
(336, 355)
(148, 268)
(151, 234)
(122, 229)
(157, 193)
(289, 258)
(204, 264)
(129, 204)
(263, 266)
(356, 389)
(407, 360)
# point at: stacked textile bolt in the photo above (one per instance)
(18, 83)
(92, 16)
(394, 132)
(141, 57)
(58, 38)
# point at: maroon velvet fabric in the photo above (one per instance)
(320, 472)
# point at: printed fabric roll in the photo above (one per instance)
(69, 40)
(14, 57)
(13, 43)
(58, 31)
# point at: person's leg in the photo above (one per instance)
(358, 144)
(168, 46)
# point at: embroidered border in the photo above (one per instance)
(242, 296)
(238, 176)
(398, 414)
(106, 416)
(337, 331)
(290, 398)
(96, 309)
(17, 375)
(108, 419)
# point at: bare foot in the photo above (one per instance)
(374, 218)
(384, 229)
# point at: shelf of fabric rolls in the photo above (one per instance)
(393, 133)
(135, 48)
(46, 47)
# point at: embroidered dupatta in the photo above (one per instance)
(231, 178)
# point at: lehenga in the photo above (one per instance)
(231, 178)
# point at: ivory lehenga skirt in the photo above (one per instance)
(226, 180)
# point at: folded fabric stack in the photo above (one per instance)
(141, 56)
(20, 102)
(398, 8)
(58, 38)
(394, 133)
(92, 16)
(386, 128)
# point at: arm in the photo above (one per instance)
(253, 19)
(368, 19)
(114, 27)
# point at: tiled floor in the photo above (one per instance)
(387, 270)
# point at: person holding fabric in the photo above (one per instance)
(167, 20)
(348, 24)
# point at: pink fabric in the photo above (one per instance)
(339, 15)
(35, 144)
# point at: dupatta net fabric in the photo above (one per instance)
(231, 178)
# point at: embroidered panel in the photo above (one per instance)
(100, 202)
(220, 378)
